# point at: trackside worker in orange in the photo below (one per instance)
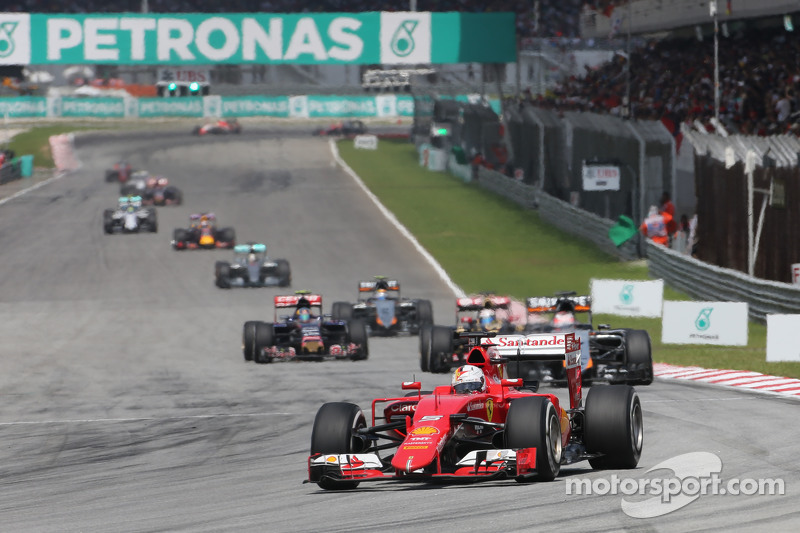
(655, 225)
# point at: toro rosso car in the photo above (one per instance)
(482, 427)
(252, 268)
(218, 127)
(384, 311)
(439, 347)
(304, 334)
(130, 217)
(614, 355)
(203, 233)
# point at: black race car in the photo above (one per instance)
(384, 311)
(346, 128)
(305, 334)
(252, 268)
(614, 355)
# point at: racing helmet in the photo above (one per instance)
(151, 182)
(304, 314)
(563, 320)
(252, 258)
(486, 318)
(468, 379)
(380, 294)
(162, 182)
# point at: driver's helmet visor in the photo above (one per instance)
(486, 320)
(471, 386)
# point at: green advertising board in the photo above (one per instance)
(388, 38)
(91, 107)
(23, 107)
(170, 107)
(255, 106)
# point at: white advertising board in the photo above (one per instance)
(628, 298)
(600, 178)
(782, 340)
(366, 142)
(720, 323)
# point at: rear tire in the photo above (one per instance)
(249, 339)
(425, 346)
(108, 221)
(179, 236)
(112, 175)
(532, 422)
(152, 221)
(613, 426)
(342, 311)
(226, 235)
(264, 338)
(638, 356)
(358, 335)
(284, 272)
(441, 351)
(334, 433)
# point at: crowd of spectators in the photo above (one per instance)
(673, 80)
(535, 18)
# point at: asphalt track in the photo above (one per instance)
(126, 405)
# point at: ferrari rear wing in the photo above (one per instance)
(544, 347)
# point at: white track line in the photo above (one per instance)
(138, 419)
(396, 223)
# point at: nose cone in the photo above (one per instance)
(418, 450)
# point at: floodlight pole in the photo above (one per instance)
(712, 6)
(628, 106)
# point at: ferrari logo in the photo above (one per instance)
(489, 409)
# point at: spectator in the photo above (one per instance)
(668, 207)
(655, 226)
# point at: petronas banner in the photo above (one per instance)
(389, 38)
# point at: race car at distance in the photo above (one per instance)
(384, 311)
(345, 128)
(130, 217)
(218, 127)
(304, 334)
(482, 427)
(203, 233)
(252, 268)
(614, 355)
(154, 190)
(121, 172)
(439, 346)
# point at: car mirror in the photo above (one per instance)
(412, 385)
(517, 382)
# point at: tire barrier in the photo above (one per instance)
(62, 149)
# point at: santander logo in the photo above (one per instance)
(553, 340)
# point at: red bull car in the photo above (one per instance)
(498, 429)
(218, 127)
(203, 233)
(303, 334)
(614, 355)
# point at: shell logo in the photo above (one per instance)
(425, 430)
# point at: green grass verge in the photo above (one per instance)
(486, 243)
(36, 141)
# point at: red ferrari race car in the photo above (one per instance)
(218, 127)
(203, 233)
(121, 172)
(482, 427)
(347, 128)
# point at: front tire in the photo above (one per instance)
(334, 432)
(424, 312)
(532, 422)
(613, 426)
(284, 273)
(249, 339)
(264, 338)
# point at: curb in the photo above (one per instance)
(734, 379)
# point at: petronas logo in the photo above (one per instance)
(703, 320)
(626, 294)
(6, 40)
(403, 39)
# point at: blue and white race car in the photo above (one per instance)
(130, 217)
(251, 267)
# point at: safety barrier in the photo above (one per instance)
(563, 215)
(709, 282)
